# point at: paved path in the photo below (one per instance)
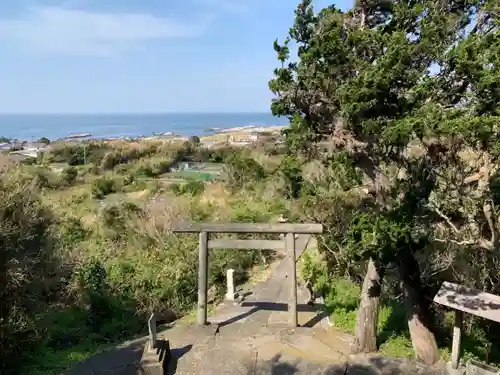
(253, 338)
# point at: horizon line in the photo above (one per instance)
(132, 113)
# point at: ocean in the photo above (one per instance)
(33, 127)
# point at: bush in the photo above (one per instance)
(44, 140)
(29, 161)
(161, 167)
(26, 266)
(69, 175)
(241, 171)
(103, 186)
(109, 161)
(79, 153)
(193, 188)
(194, 140)
(175, 188)
(71, 233)
(45, 178)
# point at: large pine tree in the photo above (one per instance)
(400, 88)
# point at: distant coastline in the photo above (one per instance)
(54, 127)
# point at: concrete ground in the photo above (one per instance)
(252, 337)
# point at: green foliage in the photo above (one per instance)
(213, 155)
(69, 175)
(26, 265)
(241, 170)
(117, 157)
(193, 188)
(4, 140)
(103, 186)
(291, 171)
(45, 178)
(29, 161)
(71, 233)
(194, 140)
(44, 140)
(79, 153)
(395, 105)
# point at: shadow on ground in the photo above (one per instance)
(176, 354)
(319, 309)
(371, 366)
(118, 361)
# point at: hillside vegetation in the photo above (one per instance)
(86, 250)
(393, 146)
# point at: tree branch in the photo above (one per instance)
(446, 218)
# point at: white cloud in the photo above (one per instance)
(57, 29)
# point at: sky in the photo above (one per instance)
(140, 56)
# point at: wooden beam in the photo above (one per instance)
(301, 244)
(458, 297)
(248, 228)
(201, 317)
(246, 244)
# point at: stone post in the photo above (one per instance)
(203, 280)
(230, 294)
(152, 331)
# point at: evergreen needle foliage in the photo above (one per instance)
(409, 94)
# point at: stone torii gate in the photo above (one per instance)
(292, 244)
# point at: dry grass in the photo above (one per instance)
(6, 162)
(160, 214)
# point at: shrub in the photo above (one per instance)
(26, 266)
(69, 175)
(45, 178)
(175, 188)
(109, 161)
(93, 282)
(144, 171)
(29, 161)
(71, 232)
(102, 187)
(194, 140)
(79, 153)
(161, 167)
(44, 140)
(193, 188)
(241, 170)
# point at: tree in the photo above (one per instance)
(44, 140)
(400, 88)
(194, 140)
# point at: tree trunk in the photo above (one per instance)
(422, 338)
(367, 319)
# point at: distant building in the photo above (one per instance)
(240, 143)
(30, 149)
(5, 146)
(34, 146)
(181, 166)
